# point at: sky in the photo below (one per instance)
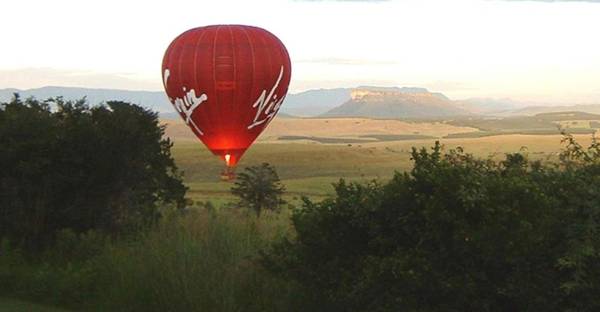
(538, 51)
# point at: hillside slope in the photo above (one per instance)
(534, 110)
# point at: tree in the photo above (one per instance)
(259, 188)
(69, 166)
(456, 233)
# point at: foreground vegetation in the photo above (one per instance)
(449, 231)
(199, 261)
(68, 166)
(12, 305)
(456, 233)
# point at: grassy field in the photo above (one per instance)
(309, 168)
(358, 128)
(312, 153)
(305, 168)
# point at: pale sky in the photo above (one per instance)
(544, 51)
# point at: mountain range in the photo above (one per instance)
(364, 101)
(304, 104)
(154, 100)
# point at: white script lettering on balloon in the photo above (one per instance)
(267, 105)
(188, 104)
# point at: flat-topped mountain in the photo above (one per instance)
(396, 103)
(391, 90)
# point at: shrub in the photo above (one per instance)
(259, 188)
(455, 234)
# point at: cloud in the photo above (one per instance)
(447, 86)
(300, 85)
(346, 61)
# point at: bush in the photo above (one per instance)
(455, 234)
(68, 166)
(259, 188)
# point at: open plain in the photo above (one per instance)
(312, 153)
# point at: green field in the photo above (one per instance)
(306, 169)
(309, 168)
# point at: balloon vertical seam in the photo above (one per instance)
(214, 73)
(251, 43)
(198, 41)
(233, 61)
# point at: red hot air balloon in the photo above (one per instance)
(227, 82)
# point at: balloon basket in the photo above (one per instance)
(227, 175)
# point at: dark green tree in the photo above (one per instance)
(67, 165)
(456, 233)
(259, 188)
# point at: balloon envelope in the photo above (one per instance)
(227, 82)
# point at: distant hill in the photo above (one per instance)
(320, 101)
(585, 122)
(155, 100)
(391, 102)
(534, 110)
(489, 106)
(314, 102)
(304, 104)
(568, 115)
(285, 115)
(396, 103)
(405, 90)
(309, 103)
(9, 91)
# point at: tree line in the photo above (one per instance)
(67, 165)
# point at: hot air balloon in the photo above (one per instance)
(227, 82)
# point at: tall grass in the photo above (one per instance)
(200, 261)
